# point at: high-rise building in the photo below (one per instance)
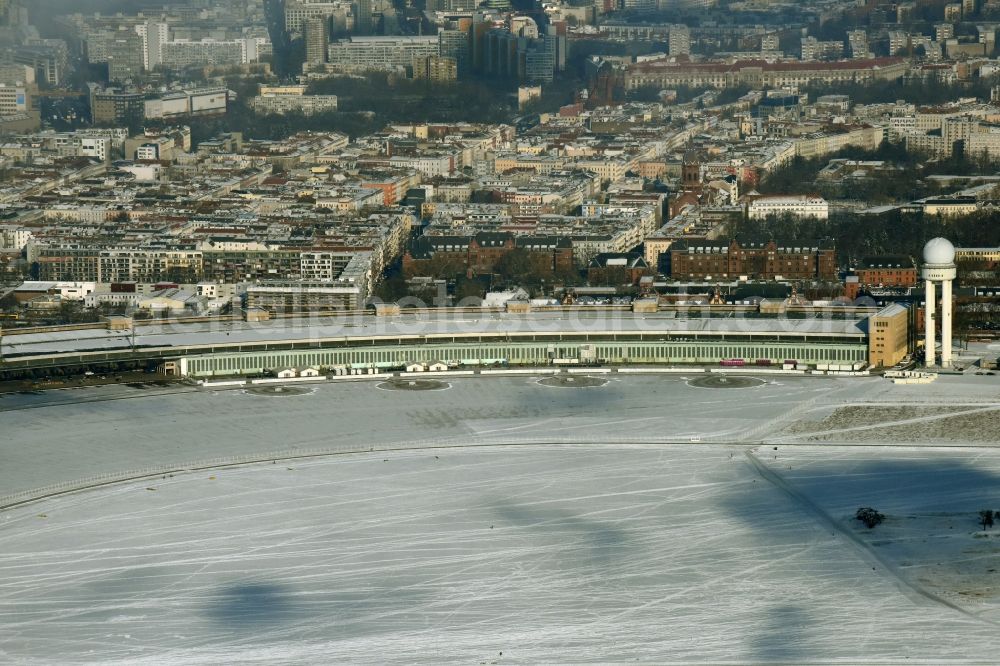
(770, 42)
(508, 55)
(814, 49)
(452, 5)
(12, 13)
(154, 35)
(125, 60)
(857, 41)
(363, 17)
(317, 39)
(539, 60)
(686, 4)
(679, 40)
(558, 31)
(899, 42)
(455, 44)
(439, 69)
(906, 12)
(297, 11)
(478, 38)
(639, 5)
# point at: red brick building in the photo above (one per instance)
(885, 271)
(481, 254)
(698, 260)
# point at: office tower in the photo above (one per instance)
(316, 39)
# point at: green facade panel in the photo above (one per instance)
(524, 353)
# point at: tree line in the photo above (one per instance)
(366, 103)
(857, 236)
(903, 179)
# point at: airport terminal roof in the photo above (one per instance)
(571, 322)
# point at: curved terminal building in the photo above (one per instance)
(479, 338)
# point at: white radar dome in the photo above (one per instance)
(939, 251)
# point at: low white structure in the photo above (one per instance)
(799, 205)
(113, 298)
(911, 377)
(67, 291)
(174, 300)
(497, 299)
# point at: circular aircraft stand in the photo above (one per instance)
(726, 382)
(279, 391)
(573, 381)
(403, 384)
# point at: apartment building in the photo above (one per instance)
(679, 40)
(14, 99)
(119, 107)
(767, 261)
(439, 69)
(814, 49)
(857, 44)
(760, 73)
(317, 39)
(291, 98)
(14, 238)
(380, 53)
(181, 53)
(887, 271)
(297, 12)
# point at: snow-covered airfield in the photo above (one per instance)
(646, 519)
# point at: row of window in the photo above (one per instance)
(525, 354)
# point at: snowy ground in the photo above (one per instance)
(65, 435)
(952, 410)
(931, 537)
(572, 553)
(590, 540)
